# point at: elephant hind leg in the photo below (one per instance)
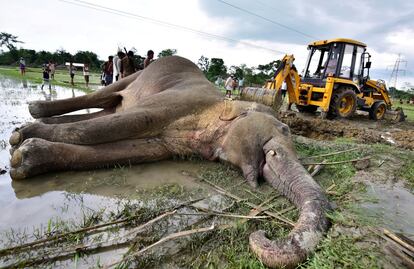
(37, 156)
(107, 97)
(75, 118)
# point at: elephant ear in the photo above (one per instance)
(232, 110)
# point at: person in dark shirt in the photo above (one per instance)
(109, 70)
(45, 71)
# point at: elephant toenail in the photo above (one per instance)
(15, 138)
(16, 159)
(272, 152)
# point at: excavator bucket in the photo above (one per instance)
(396, 115)
(264, 96)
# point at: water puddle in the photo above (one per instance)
(392, 205)
(33, 202)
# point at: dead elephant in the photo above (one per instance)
(171, 109)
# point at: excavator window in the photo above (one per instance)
(315, 66)
(346, 70)
(333, 61)
(359, 64)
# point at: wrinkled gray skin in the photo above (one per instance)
(171, 109)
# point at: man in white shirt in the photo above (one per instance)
(117, 65)
(229, 85)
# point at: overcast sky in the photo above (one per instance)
(387, 27)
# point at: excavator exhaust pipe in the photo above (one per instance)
(264, 96)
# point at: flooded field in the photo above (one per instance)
(29, 204)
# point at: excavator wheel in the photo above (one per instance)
(343, 103)
(307, 109)
(377, 111)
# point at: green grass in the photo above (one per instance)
(62, 77)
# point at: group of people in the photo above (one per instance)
(232, 84)
(115, 68)
(122, 65)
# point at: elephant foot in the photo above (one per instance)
(15, 139)
(19, 135)
(37, 109)
(30, 159)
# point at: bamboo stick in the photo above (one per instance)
(339, 162)
(328, 154)
(235, 197)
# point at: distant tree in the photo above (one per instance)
(398, 94)
(236, 71)
(269, 69)
(87, 57)
(9, 41)
(203, 64)
(216, 68)
(42, 57)
(167, 52)
(62, 56)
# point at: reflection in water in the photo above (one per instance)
(24, 83)
(29, 203)
(123, 182)
(14, 97)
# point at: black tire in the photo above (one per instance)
(307, 109)
(377, 110)
(343, 103)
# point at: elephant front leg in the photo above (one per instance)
(37, 156)
(75, 118)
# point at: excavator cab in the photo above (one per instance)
(341, 59)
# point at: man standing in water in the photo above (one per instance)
(72, 70)
(86, 74)
(52, 69)
(22, 64)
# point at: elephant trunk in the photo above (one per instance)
(284, 172)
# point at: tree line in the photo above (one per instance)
(214, 68)
(38, 58)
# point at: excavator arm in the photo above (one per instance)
(286, 72)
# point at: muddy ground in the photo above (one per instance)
(134, 216)
(359, 127)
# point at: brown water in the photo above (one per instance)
(33, 202)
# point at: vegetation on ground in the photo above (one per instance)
(350, 243)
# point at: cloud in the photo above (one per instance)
(387, 27)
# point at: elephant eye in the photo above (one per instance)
(285, 130)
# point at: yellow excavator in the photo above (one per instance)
(335, 79)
